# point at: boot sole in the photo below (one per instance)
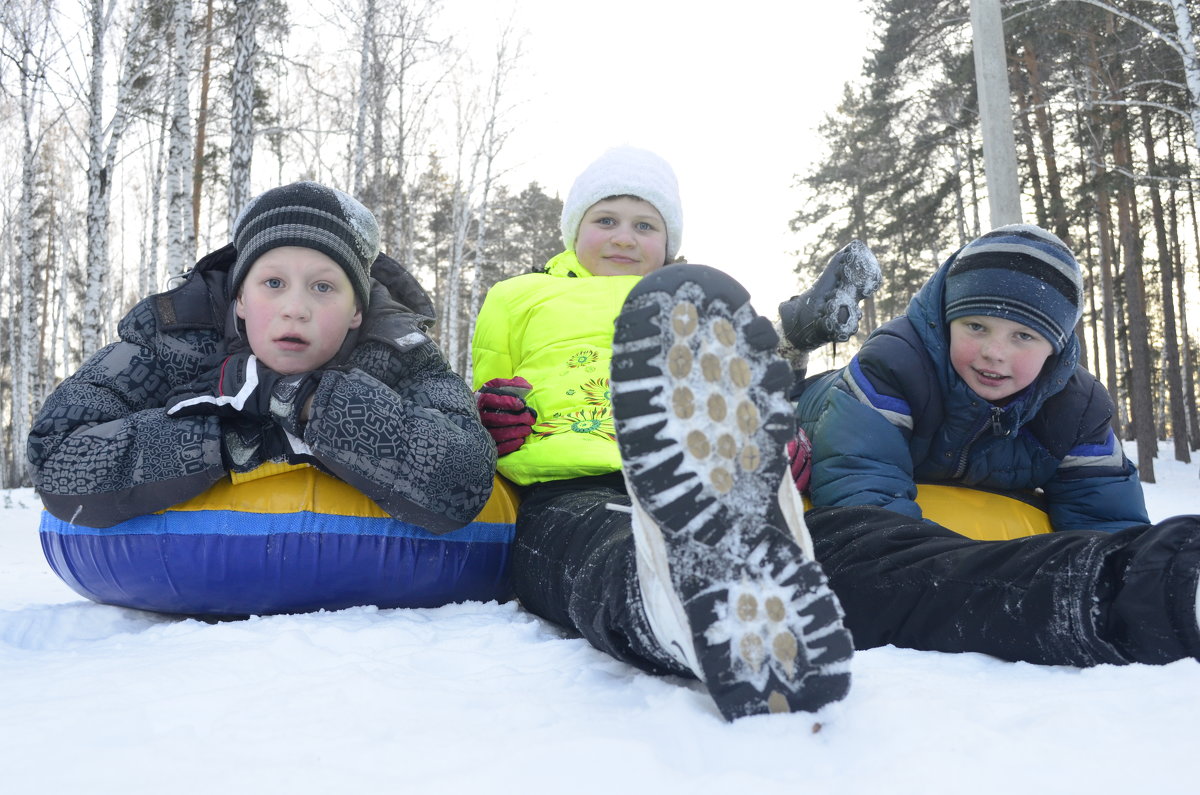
(702, 422)
(851, 275)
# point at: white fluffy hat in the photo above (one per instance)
(626, 171)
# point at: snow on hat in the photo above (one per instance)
(626, 171)
(1021, 273)
(312, 216)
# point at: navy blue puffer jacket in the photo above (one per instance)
(899, 414)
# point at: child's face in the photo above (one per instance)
(997, 358)
(298, 305)
(621, 236)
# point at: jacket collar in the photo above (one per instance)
(566, 265)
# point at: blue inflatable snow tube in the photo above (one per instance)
(283, 540)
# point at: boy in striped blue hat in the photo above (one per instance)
(1013, 298)
(978, 384)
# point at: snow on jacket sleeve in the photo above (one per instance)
(402, 428)
(860, 420)
(103, 449)
(1095, 486)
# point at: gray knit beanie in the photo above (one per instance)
(1021, 273)
(626, 171)
(313, 216)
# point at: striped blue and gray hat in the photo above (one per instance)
(1020, 273)
(313, 216)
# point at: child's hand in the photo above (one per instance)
(799, 452)
(504, 412)
(241, 386)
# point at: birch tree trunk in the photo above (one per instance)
(241, 145)
(363, 104)
(460, 205)
(181, 244)
(151, 271)
(202, 121)
(103, 146)
(1191, 66)
(99, 180)
(25, 36)
(493, 139)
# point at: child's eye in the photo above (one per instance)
(973, 326)
(1025, 336)
(323, 287)
(645, 226)
(274, 283)
(606, 220)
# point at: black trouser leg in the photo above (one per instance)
(1073, 598)
(573, 564)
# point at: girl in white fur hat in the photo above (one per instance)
(682, 549)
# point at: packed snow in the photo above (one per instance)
(485, 697)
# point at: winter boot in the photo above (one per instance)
(725, 565)
(828, 311)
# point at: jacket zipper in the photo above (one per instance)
(997, 429)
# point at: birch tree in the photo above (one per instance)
(103, 143)
(202, 119)
(466, 164)
(25, 46)
(241, 144)
(494, 134)
(181, 241)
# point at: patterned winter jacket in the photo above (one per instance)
(555, 330)
(899, 414)
(389, 417)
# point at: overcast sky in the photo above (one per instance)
(729, 93)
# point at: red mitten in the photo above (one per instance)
(504, 412)
(799, 452)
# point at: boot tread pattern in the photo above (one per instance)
(702, 421)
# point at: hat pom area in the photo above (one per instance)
(626, 171)
(1021, 273)
(314, 216)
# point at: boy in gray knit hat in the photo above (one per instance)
(978, 384)
(299, 343)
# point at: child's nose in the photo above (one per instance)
(296, 307)
(623, 236)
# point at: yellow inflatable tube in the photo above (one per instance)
(982, 515)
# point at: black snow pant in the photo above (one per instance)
(1076, 598)
(573, 563)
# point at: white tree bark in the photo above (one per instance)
(366, 86)
(465, 169)
(492, 142)
(25, 28)
(1191, 67)
(151, 270)
(241, 146)
(103, 142)
(181, 244)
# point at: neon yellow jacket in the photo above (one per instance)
(555, 330)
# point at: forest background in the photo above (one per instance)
(134, 130)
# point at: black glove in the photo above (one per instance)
(240, 386)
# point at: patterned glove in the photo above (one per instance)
(504, 412)
(799, 452)
(243, 387)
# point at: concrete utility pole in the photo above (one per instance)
(995, 113)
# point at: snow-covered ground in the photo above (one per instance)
(485, 698)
